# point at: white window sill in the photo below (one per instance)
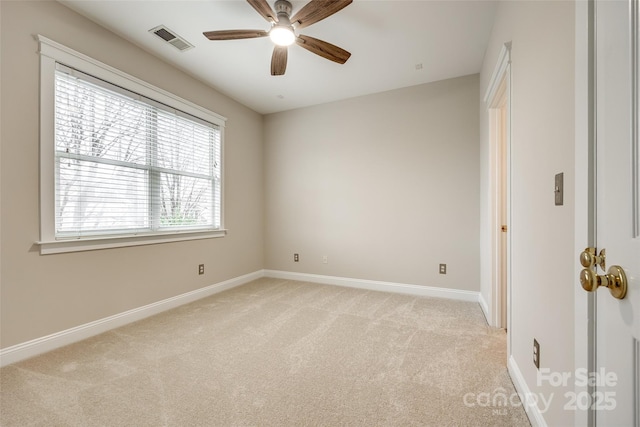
(91, 244)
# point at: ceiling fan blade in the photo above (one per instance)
(317, 10)
(263, 8)
(324, 49)
(234, 34)
(279, 60)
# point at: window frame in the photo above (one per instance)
(52, 53)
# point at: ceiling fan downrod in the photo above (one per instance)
(283, 10)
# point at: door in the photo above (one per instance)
(617, 341)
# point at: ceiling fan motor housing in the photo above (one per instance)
(283, 10)
(283, 6)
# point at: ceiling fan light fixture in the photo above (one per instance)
(284, 27)
(282, 36)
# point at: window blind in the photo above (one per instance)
(126, 164)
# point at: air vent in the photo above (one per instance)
(172, 38)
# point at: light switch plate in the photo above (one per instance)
(559, 189)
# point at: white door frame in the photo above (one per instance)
(498, 98)
(585, 192)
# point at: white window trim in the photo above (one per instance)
(52, 53)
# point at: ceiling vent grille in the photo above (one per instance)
(171, 37)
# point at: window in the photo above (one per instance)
(122, 163)
(127, 164)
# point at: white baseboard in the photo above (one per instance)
(531, 408)
(374, 285)
(41, 345)
(484, 306)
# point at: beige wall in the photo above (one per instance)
(47, 294)
(543, 258)
(385, 185)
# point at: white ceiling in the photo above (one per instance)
(387, 40)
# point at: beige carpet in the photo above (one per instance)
(275, 353)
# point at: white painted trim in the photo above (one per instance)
(484, 306)
(109, 242)
(67, 56)
(529, 404)
(375, 285)
(41, 345)
(499, 89)
(52, 53)
(504, 59)
(634, 25)
(56, 340)
(584, 205)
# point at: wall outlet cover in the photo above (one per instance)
(536, 353)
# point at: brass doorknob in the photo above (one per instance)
(588, 258)
(589, 280)
(615, 280)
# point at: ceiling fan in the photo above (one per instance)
(283, 30)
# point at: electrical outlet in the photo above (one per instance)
(536, 353)
(296, 258)
(443, 268)
(201, 269)
(325, 259)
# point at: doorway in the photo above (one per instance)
(498, 104)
